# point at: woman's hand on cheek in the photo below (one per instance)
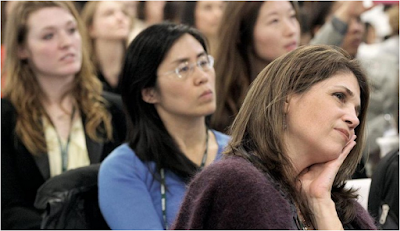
(316, 180)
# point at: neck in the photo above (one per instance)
(213, 44)
(55, 87)
(299, 158)
(110, 54)
(190, 136)
(257, 65)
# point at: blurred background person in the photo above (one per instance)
(151, 12)
(108, 24)
(206, 17)
(252, 35)
(168, 89)
(54, 117)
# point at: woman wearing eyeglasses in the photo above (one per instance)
(167, 88)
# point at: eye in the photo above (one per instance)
(203, 62)
(48, 36)
(72, 30)
(341, 96)
(183, 68)
(273, 21)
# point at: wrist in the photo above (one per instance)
(325, 214)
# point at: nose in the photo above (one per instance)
(351, 119)
(356, 25)
(291, 27)
(65, 39)
(201, 76)
(120, 16)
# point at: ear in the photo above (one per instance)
(287, 104)
(22, 52)
(149, 95)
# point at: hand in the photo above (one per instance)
(316, 182)
(351, 9)
(317, 179)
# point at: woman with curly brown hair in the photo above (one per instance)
(54, 117)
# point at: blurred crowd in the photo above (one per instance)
(242, 37)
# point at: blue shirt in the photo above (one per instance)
(130, 197)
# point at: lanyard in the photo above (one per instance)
(64, 150)
(164, 195)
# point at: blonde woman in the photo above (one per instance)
(108, 24)
(54, 117)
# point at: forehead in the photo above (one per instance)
(49, 17)
(184, 47)
(340, 80)
(270, 7)
(106, 5)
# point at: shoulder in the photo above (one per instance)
(363, 218)
(233, 173)
(8, 114)
(222, 139)
(7, 108)
(122, 160)
(113, 99)
(121, 154)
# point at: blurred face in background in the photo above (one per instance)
(154, 12)
(354, 36)
(208, 16)
(111, 21)
(53, 44)
(276, 31)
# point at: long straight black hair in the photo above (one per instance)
(147, 135)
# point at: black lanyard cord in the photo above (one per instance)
(163, 193)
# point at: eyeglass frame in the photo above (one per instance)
(191, 67)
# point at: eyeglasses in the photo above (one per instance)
(184, 70)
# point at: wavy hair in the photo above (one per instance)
(26, 95)
(258, 129)
(232, 61)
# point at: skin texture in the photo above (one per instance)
(111, 21)
(53, 46)
(319, 136)
(208, 15)
(276, 31)
(321, 121)
(196, 94)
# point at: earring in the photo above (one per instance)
(284, 122)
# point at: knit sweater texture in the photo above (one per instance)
(233, 194)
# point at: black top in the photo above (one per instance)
(22, 173)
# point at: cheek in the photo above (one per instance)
(262, 43)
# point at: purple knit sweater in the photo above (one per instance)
(233, 194)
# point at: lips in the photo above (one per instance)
(291, 46)
(67, 56)
(345, 133)
(208, 92)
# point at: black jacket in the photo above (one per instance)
(22, 173)
(70, 200)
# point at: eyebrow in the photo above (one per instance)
(52, 27)
(349, 92)
(187, 59)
